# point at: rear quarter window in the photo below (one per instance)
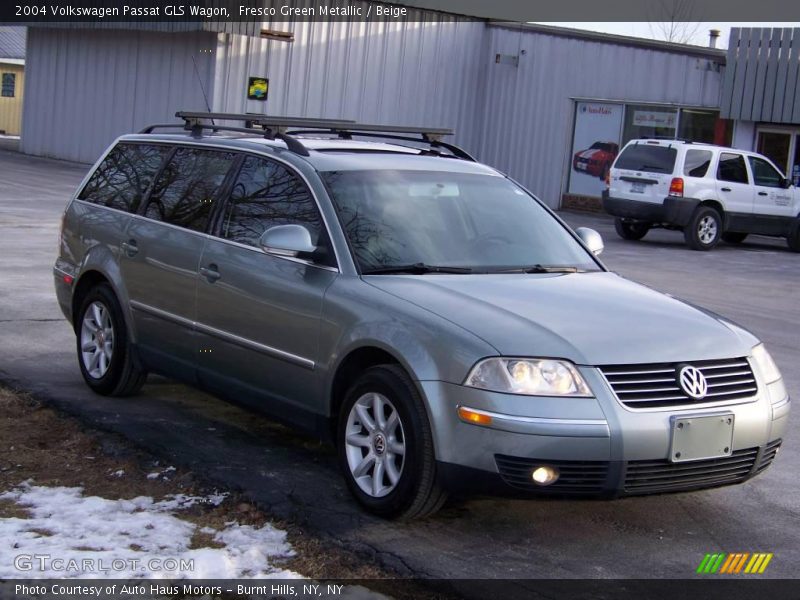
(696, 163)
(122, 179)
(648, 158)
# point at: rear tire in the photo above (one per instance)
(793, 239)
(704, 229)
(631, 230)
(385, 446)
(105, 356)
(733, 237)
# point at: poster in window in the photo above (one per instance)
(257, 88)
(595, 145)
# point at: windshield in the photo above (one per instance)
(483, 223)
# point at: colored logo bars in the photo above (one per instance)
(739, 562)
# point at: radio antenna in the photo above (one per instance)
(202, 88)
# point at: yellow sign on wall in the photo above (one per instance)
(257, 88)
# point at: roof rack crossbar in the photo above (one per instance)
(292, 144)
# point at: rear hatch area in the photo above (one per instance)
(643, 171)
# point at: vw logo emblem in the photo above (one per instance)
(693, 382)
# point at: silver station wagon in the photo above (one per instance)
(380, 288)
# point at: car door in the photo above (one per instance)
(161, 254)
(733, 186)
(772, 200)
(258, 314)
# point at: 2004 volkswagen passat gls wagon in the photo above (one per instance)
(433, 317)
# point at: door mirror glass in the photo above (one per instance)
(287, 240)
(591, 238)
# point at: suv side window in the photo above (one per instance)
(266, 194)
(764, 173)
(122, 179)
(185, 191)
(696, 163)
(732, 168)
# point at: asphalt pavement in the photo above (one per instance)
(293, 477)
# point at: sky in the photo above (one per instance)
(650, 30)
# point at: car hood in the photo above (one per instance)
(589, 318)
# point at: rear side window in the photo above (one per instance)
(731, 168)
(650, 158)
(697, 162)
(185, 191)
(122, 179)
(266, 194)
(764, 174)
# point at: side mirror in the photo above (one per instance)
(786, 183)
(591, 238)
(286, 240)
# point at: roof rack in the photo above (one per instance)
(285, 128)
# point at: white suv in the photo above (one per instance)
(709, 192)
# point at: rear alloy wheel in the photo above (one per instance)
(104, 352)
(704, 229)
(385, 446)
(631, 230)
(733, 237)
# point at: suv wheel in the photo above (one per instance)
(631, 230)
(793, 239)
(104, 353)
(385, 446)
(704, 229)
(733, 237)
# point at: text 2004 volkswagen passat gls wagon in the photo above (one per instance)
(428, 313)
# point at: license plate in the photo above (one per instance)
(637, 188)
(698, 438)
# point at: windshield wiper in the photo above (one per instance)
(416, 269)
(542, 269)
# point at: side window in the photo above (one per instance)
(266, 194)
(696, 163)
(185, 191)
(764, 173)
(9, 85)
(124, 176)
(732, 168)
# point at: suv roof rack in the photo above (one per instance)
(285, 128)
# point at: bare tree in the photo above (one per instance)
(674, 21)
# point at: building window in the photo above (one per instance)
(9, 85)
(646, 121)
(704, 126)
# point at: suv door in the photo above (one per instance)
(161, 253)
(772, 202)
(258, 314)
(733, 186)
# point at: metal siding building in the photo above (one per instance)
(87, 84)
(12, 74)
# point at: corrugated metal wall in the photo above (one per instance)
(85, 88)
(425, 74)
(527, 122)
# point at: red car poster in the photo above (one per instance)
(595, 145)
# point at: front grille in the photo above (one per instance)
(649, 476)
(656, 385)
(575, 477)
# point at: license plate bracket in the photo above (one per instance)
(701, 437)
(637, 188)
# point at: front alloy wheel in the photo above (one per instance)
(375, 444)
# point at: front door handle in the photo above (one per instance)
(725, 189)
(130, 248)
(211, 273)
(763, 194)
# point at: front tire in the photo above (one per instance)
(704, 229)
(105, 356)
(631, 230)
(385, 446)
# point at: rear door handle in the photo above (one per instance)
(763, 194)
(725, 189)
(210, 273)
(130, 248)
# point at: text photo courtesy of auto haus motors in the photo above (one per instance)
(318, 321)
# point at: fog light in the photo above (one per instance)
(544, 475)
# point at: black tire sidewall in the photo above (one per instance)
(108, 382)
(692, 236)
(631, 230)
(389, 384)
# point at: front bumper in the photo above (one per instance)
(672, 211)
(599, 447)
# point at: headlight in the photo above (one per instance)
(766, 366)
(529, 376)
